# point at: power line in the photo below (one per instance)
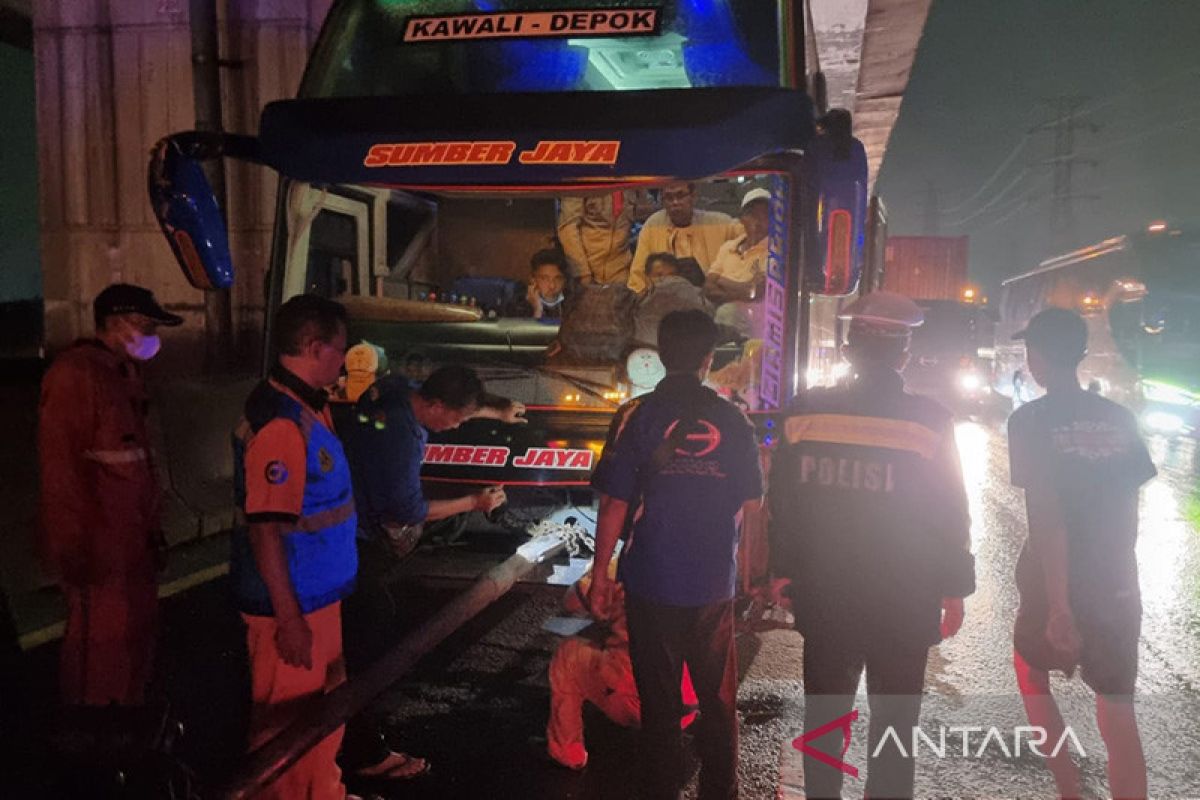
(996, 198)
(1016, 151)
(1025, 204)
(1155, 131)
(1081, 111)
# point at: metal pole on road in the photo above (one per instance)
(328, 712)
(206, 97)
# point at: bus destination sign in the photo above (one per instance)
(533, 24)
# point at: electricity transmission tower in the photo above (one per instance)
(1065, 125)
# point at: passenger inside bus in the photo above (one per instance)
(682, 230)
(669, 291)
(736, 280)
(549, 289)
(437, 278)
(596, 231)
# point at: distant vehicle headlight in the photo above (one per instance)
(970, 381)
(1161, 392)
(1162, 422)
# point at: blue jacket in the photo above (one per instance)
(321, 557)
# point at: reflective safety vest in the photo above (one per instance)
(869, 517)
(322, 559)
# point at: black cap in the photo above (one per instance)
(125, 298)
(1057, 333)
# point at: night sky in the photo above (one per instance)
(988, 71)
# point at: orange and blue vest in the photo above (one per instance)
(321, 554)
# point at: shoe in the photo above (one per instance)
(394, 767)
(573, 756)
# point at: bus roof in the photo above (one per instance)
(1097, 250)
(510, 141)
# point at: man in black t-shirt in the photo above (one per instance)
(679, 565)
(1081, 463)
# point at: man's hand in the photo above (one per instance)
(600, 597)
(534, 299)
(294, 641)
(490, 499)
(513, 413)
(1062, 634)
(952, 616)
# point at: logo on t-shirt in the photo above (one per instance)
(697, 444)
(326, 460)
(276, 473)
(691, 454)
(1090, 440)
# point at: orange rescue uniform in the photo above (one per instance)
(280, 475)
(99, 519)
(601, 674)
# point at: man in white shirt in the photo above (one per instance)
(735, 280)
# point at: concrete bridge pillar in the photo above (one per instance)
(113, 76)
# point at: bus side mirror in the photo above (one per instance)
(839, 174)
(187, 209)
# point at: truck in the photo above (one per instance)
(926, 267)
(950, 350)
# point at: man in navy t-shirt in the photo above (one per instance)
(678, 567)
(1081, 462)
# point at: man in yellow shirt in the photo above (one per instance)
(681, 230)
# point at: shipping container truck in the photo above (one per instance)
(926, 267)
(951, 352)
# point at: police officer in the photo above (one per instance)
(869, 521)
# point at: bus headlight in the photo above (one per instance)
(970, 381)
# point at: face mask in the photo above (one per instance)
(142, 347)
(550, 302)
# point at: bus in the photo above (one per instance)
(1140, 296)
(426, 158)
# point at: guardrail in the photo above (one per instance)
(328, 712)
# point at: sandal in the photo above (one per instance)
(395, 767)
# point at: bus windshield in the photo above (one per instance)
(510, 283)
(393, 47)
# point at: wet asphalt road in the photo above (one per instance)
(477, 706)
(478, 713)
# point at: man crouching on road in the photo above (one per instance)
(295, 561)
(385, 442)
(689, 459)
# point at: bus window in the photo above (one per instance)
(332, 252)
(446, 278)
(329, 243)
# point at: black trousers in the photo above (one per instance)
(368, 618)
(661, 639)
(834, 661)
